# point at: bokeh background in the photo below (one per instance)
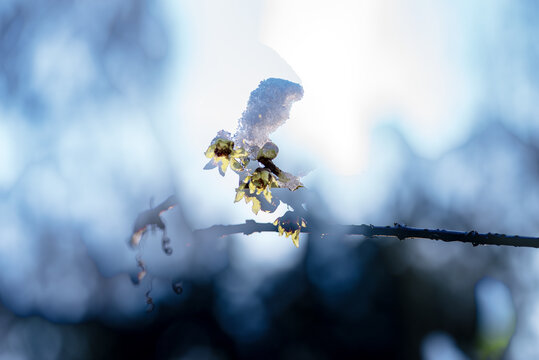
(417, 112)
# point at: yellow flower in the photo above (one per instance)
(260, 182)
(290, 225)
(222, 151)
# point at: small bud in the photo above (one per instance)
(268, 151)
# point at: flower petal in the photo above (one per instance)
(239, 196)
(235, 165)
(256, 206)
(295, 238)
(224, 165)
(209, 153)
(239, 153)
(267, 195)
(210, 165)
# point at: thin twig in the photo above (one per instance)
(152, 217)
(399, 231)
(268, 164)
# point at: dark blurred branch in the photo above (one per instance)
(399, 231)
(151, 217)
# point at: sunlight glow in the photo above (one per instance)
(363, 62)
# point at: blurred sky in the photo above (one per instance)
(114, 103)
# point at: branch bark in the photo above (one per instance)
(399, 231)
(152, 217)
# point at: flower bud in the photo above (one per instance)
(268, 151)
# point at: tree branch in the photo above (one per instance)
(268, 164)
(399, 231)
(152, 217)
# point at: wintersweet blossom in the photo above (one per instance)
(267, 109)
(221, 151)
(290, 225)
(259, 183)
